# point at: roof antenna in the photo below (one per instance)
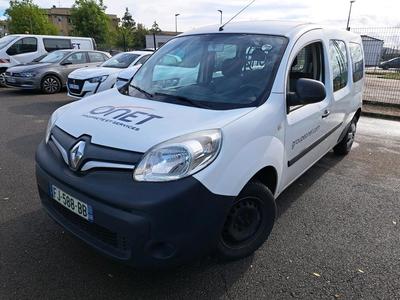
(222, 27)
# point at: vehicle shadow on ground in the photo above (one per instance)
(304, 182)
(42, 249)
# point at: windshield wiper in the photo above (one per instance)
(183, 99)
(149, 95)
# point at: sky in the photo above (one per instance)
(197, 13)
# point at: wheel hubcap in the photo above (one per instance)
(50, 85)
(2, 79)
(243, 221)
(351, 135)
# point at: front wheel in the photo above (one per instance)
(248, 223)
(346, 143)
(51, 85)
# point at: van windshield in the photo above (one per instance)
(54, 57)
(4, 41)
(216, 71)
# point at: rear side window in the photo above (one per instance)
(339, 63)
(56, 44)
(77, 58)
(96, 57)
(357, 61)
(142, 60)
(25, 45)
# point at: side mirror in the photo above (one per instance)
(66, 63)
(307, 91)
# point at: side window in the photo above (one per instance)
(308, 63)
(338, 59)
(25, 45)
(56, 44)
(96, 57)
(357, 61)
(77, 58)
(142, 59)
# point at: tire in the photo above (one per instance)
(2, 79)
(50, 84)
(344, 146)
(248, 224)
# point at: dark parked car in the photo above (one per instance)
(50, 73)
(391, 63)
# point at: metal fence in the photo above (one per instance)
(382, 61)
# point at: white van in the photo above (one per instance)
(18, 49)
(170, 168)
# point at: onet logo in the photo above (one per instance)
(76, 154)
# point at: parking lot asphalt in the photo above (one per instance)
(337, 235)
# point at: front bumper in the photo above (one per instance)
(142, 224)
(23, 83)
(83, 88)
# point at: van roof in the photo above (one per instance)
(50, 36)
(283, 28)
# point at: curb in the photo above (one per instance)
(383, 104)
(380, 115)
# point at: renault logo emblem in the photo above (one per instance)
(76, 154)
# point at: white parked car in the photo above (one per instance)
(16, 49)
(88, 81)
(172, 167)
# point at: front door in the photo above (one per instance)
(307, 125)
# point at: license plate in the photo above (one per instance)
(73, 86)
(76, 206)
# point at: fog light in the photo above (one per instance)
(162, 250)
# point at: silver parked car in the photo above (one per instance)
(50, 73)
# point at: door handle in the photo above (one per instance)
(326, 113)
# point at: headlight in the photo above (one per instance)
(179, 157)
(27, 74)
(53, 119)
(50, 125)
(98, 79)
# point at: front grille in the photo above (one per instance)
(77, 82)
(98, 232)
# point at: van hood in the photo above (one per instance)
(86, 73)
(118, 121)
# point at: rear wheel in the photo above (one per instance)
(346, 143)
(248, 223)
(51, 84)
(2, 79)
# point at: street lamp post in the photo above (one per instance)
(220, 11)
(348, 19)
(176, 22)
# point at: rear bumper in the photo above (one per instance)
(142, 224)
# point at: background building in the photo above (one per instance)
(3, 28)
(160, 37)
(373, 49)
(61, 18)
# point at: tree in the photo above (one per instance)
(140, 36)
(125, 31)
(24, 16)
(155, 28)
(90, 20)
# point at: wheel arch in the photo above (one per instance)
(269, 177)
(51, 74)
